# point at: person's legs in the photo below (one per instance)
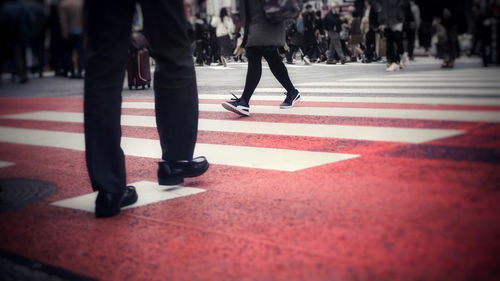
(278, 69)
(176, 93)
(410, 35)
(391, 57)
(254, 73)
(280, 72)
(102, 93)
(398, 40)
(337, 45)
(81, 54)
(452, 44)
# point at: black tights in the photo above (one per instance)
(254, 55)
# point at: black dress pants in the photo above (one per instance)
(176, 98)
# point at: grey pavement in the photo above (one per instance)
(220, 80)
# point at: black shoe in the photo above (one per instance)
(237, 106)
(290, 100)
(174, 172)
(331, 62)
(109, 204)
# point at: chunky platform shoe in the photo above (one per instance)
(109, 204)
(174, 172)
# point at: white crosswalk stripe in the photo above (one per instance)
(419, 114)
(394, 100)
(395, 90)
(240, 156)
(407, 135)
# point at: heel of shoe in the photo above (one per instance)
(175, 180)
(106, 212)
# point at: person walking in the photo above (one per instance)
(310, 40)
(447, 12)
(261, 39)
(333, 24)
(176, 98)
(71, 17)
(224, 29)
(391, 20)
(355, 37)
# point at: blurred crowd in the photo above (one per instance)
(41, 35)
(36, 34)
(386, 31)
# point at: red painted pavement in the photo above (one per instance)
(395, 213)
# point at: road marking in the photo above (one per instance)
(388, 84)
(389, 90)
(419, 114)
(400, 100)
(368, 133)
(240, 156)
(148, 193)
(4, 164)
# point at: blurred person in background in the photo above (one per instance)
(21, 25)
(447, 13)
(71, 18)
(310, 40)
(411, 25)
(333, 24)
(355, 37)
(224, 29)
(56, 47)
(425, 28)
(294, 40)
(201, 39)
(370, 19)
(391, 19)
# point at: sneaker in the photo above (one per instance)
(290, 100)
(237, 106)
(224, 61)
(394, 67)
(307, 61)
(404, 60)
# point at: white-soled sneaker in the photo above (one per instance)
(394, 67)
(237, 106)
(290, 100)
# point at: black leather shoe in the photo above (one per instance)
(109, 204)
(174, 172)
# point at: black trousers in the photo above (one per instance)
(176, 98)
(254, 72)
(74, 42)
(394, 38)
(410, 37)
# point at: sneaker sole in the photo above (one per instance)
(236, 110)
(293, 103)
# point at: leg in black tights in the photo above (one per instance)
(254, 72)
(279, 69)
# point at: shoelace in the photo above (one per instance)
(235, 97)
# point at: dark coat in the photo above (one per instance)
(309, 28)
(391, 12)
(332, 22)
(260, 32)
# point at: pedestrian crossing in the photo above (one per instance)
(350, 98)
